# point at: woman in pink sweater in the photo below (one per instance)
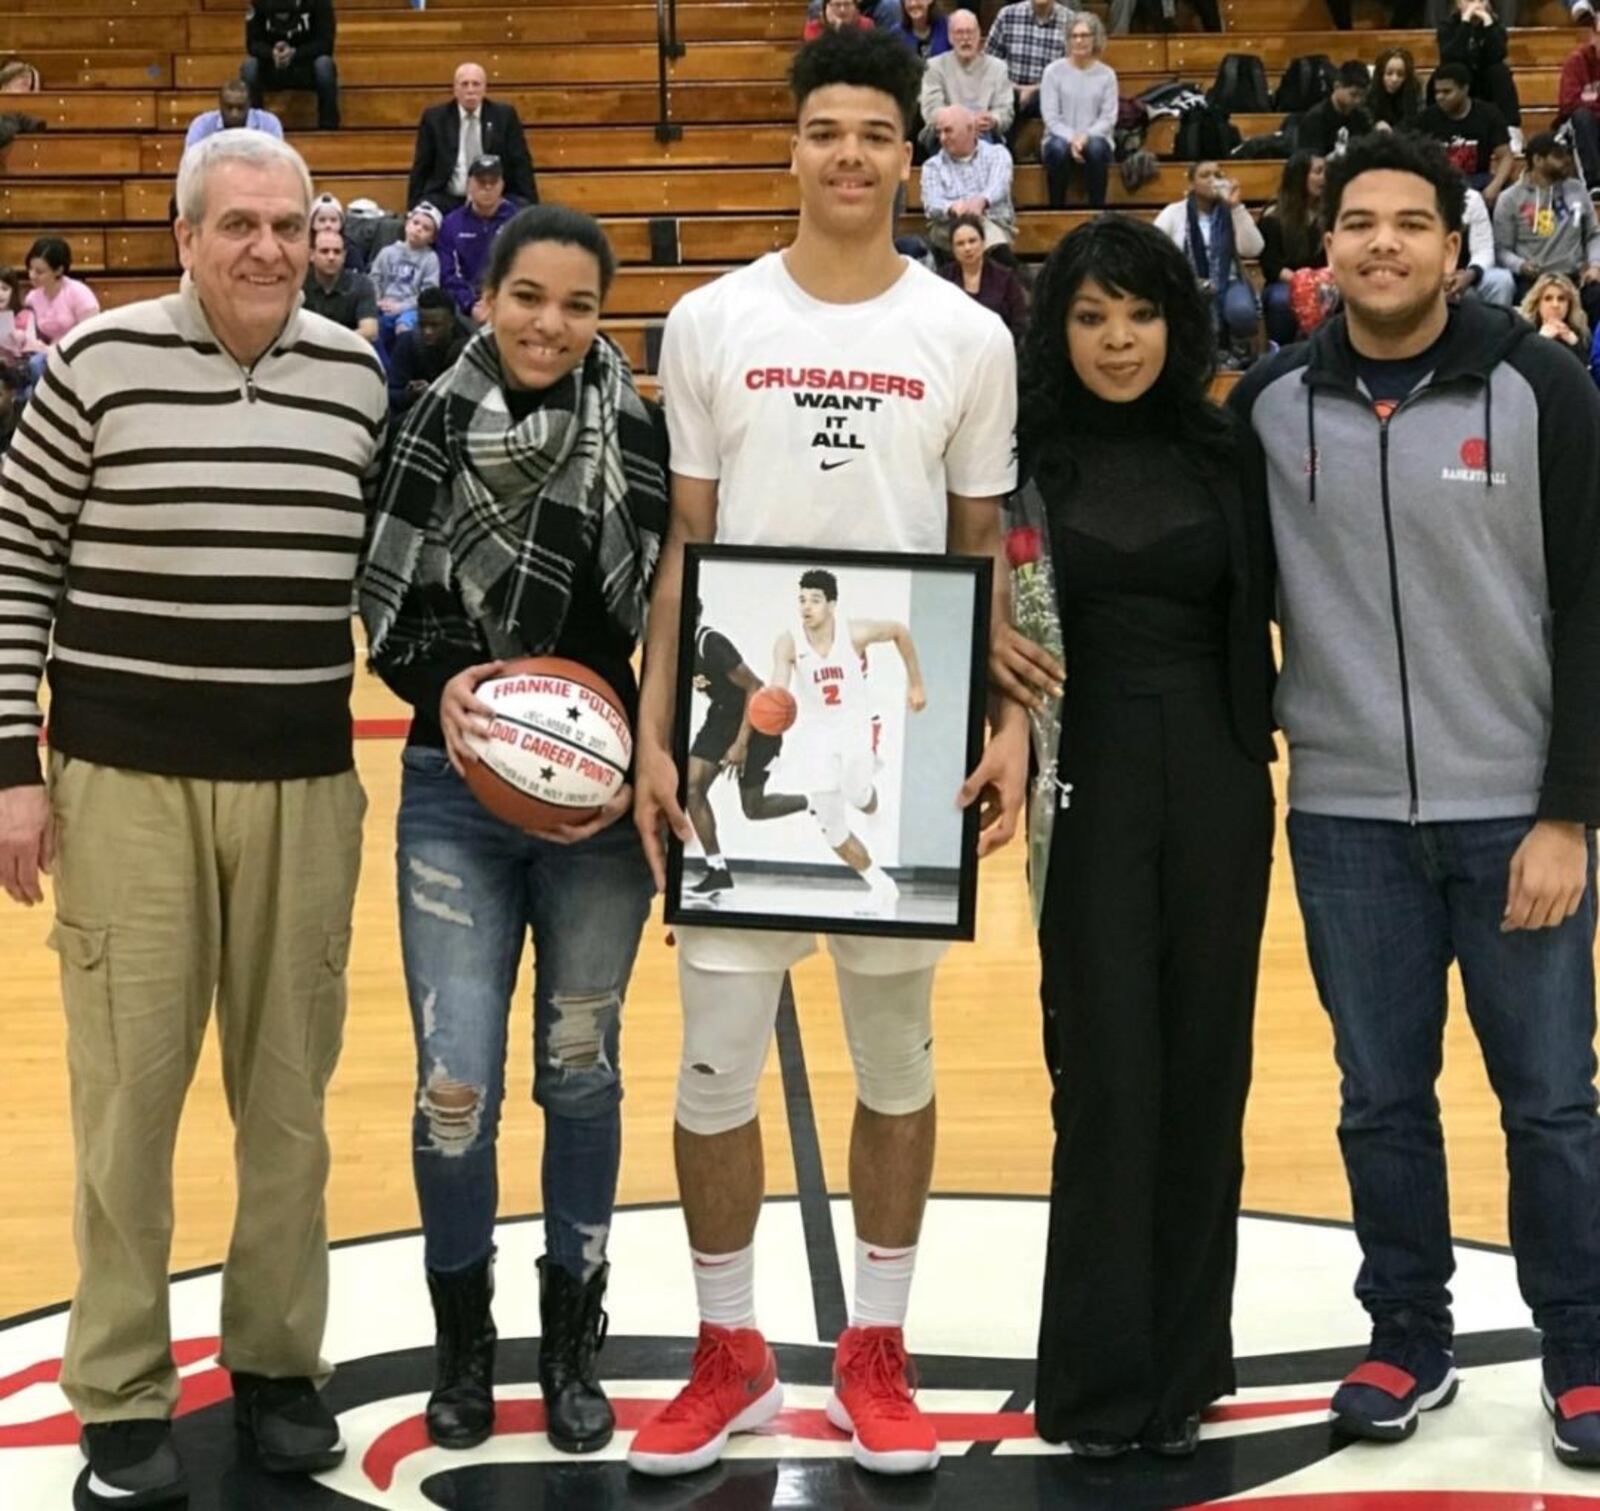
(58, 302)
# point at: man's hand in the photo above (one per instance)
(655, 802)
(1458, 282)
(984, 121)
(1548, 875)
(417, 387)
(27, 842)
(1026, 93)
(570, 834)
(1026, 673)
(916, 697)
(389, 306)
(998, 784)
(733, 758)
(461, 714)
(282, 54)
(1076, 144)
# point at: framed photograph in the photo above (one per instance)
(829, 707)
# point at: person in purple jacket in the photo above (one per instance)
(469, 232)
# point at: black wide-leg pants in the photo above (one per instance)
(1149, 941)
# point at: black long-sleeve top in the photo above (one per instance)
(308, 26)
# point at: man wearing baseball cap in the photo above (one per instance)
(467, 233)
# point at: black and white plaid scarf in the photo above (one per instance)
(492, 515)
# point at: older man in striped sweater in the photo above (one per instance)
(182, 509)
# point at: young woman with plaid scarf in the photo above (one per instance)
(521, 514)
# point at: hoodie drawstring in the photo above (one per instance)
(1488, 436)
(1311, 441)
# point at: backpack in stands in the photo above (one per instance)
(1241, 86)
(1204, 133)
(1306, 82)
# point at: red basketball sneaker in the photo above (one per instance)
(733, 1387)
(871, 1400)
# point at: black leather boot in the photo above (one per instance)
(578, 1418)
(461, 1408)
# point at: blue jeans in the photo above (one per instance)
(1236, 312)
(1059, 164)
(1282, 327)
(470, 888)
(1387, 907)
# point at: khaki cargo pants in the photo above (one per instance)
(171, 892)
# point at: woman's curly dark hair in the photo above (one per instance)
(1130, 257)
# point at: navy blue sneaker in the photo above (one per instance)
(1571, 1392)
(1408, 1370)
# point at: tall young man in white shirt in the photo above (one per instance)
(741, 362)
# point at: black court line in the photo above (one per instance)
(816, 1218)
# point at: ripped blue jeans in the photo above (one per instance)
(471, 887)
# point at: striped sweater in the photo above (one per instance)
(188, 530)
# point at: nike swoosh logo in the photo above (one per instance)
(711, 1264)
(883, 1258)
(829, 466)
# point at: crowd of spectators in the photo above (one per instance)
(412, 284)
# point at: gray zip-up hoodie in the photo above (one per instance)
(1438, 577)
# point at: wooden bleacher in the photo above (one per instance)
(123, 78)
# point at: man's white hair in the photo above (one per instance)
(241, 146)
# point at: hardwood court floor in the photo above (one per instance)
(994, 1129)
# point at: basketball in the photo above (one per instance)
(558, 747)
(772, 710)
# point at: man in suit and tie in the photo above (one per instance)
(450, 138)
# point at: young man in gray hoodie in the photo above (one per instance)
(1544, 223)
(1432, 473)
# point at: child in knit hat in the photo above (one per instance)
(402, 270)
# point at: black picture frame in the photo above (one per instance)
(784, 873)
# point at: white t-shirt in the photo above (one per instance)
(842, 426)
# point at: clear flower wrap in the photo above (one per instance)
(1037, 615)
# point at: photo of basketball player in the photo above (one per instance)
(837, 763)
(725, 743)
(833, 690)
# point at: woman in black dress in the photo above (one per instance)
(1151, 917)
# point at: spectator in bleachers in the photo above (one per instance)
(19, 336)
(402, 270)
(328, 214)
(884, 15)
(451, 137)
(469, 232)
(1078, 98)
(1291, 242)
(1478, 272)
(995, 286)
(1028, 36)
(57, 301)
(1395, 99)
(966, 75)
(837, 15)
(290, 43)
(967, 176)
(335, 291)
(1578, 101)
(428, 349)
(234, 112)
(923, 29)
(1212, 228)
(1544, 223)
(1475, 37)
(18, 78)
(1473, 133)
(1343, 116)
(1553, 308)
